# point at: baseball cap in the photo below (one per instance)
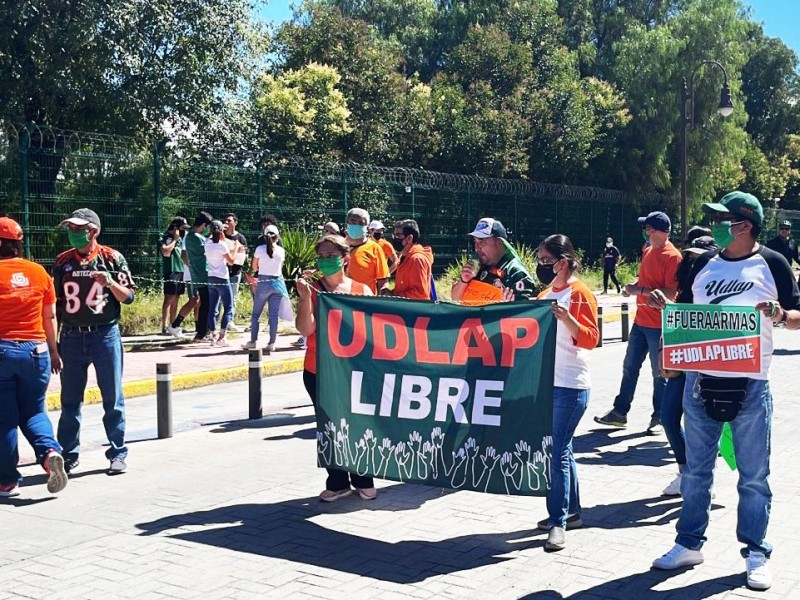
(10, 229)
(82, 216)
(657, 220)
(271, 230)
(330, 227)
(701, 244)
(745, 206)
(376, 225)
(488, 227)
(786, 224)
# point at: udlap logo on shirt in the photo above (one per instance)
(19, 280)
(721, 290)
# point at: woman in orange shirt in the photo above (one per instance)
(28, 352)
(331, 251)
(575, 308)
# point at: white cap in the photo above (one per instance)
(271, 229)
(376, 225)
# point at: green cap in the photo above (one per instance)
(740, 204)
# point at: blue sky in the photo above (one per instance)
(781, 18)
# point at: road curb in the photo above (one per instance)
(186, 381)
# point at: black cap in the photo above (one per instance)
(488, 227)
(702, 244)
(180, 223)
(786, 224)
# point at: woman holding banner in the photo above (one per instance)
(575, 309)
(331, 251)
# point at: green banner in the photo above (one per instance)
(447, 395)
(710, 337)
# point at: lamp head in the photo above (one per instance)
(725, 107)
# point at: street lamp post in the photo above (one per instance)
(725, 109)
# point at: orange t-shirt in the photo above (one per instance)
(388, 249)
(25, 288)
(657, 270)
(367, 265)
(310, 362)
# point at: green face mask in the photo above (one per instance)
(721, 232)
(645, 236)
(207, 232)
(329, 266)
(78, 239)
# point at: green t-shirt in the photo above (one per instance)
(80, 300)
(172, 263)
(195, 252)
(512, 274)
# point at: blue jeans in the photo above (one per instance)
(219, 289)
(752, 430)
(235, 280)
(103, 349)
(563, 498)
(671, 413)
(266, 293)
(641, 342)
(24, 375)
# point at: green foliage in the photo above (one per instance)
(122, 66)
(300, 254)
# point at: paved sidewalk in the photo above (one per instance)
(227, 509)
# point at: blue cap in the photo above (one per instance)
(657, 220)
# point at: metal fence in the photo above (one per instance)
(137, 189)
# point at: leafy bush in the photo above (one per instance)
(300, 253)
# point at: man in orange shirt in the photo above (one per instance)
(413, 275)
(660, 261)
(376, 231)
(367, 263)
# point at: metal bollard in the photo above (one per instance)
(625, 324)
(600, 326)
(164, 399)
(254, 377)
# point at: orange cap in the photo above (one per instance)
(10, 229)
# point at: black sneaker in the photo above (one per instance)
(613, 419)
(71, 464)
(655, 427)
(573, 522)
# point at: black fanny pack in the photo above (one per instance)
(722, 396)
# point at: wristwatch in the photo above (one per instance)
(784, 315)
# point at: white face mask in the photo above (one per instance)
(609, 244)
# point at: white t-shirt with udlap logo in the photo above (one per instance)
(759, 277)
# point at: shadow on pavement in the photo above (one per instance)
(301, 434)
(642, 512)
(640, 585)
(267, 421)
(650, 451)
(285, 530)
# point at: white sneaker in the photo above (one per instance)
(234, 327)
(221, 342)
(674, 488)
(175, 331)
(269, 348)
(249, 346)
(679, 556)
(758, 575)
(117, 466)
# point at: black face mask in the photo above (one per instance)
(545, 274)
(378, 235)
(397, 244)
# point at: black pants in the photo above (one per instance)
(610, 273)
(202, 313)
(337, 479)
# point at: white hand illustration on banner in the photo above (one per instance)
(489, 460)
(509, 466)
(324, 449)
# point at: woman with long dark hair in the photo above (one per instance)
(270, 288)
(575, 309)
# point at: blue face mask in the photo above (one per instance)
(356, 232)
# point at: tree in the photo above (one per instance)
(302, 111)
(122, 67)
